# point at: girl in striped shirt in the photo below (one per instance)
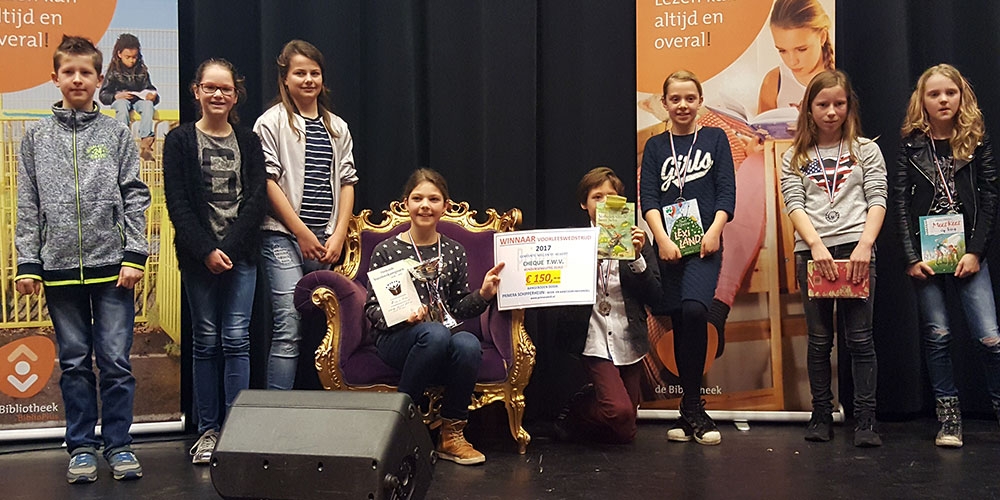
(309, 157)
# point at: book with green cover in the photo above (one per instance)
(615, 218)
(942, 241)
(682, 222)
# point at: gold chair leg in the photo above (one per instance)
(515, 416)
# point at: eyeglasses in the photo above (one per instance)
(210, 88)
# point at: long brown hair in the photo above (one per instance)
(807, 135)
(795, 14)
(969, 126)
(309, 51)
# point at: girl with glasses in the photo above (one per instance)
(214, 183)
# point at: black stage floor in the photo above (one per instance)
(768, 461)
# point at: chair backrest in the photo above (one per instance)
(458, 223)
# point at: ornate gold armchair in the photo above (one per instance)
(346, 358)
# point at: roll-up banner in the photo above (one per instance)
(754, 59)
(145, 34)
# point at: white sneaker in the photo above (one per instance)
(201, 452)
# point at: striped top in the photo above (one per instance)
(317, 193)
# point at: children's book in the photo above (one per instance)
(942, 241)
(682, 221)
(615, 218)
(776, 123)
(141, 94)
(395, 291)
(841, 288)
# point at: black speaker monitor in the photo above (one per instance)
(323, 444)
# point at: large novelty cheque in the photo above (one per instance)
(550, 267)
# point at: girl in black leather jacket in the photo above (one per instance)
(945, 167)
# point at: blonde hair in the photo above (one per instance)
(969, 126)
(796, 14)
(807, 134)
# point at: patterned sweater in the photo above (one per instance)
(461, 302)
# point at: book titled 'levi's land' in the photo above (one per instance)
(942, 241)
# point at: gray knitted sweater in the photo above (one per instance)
(80, 203)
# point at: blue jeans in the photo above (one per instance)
(145, 109)
(429, 354)
(284, 265)
(95, 319)
(976, 298)
(221, 305)
(854, 319)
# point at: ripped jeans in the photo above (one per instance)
(285, 266)
(976, 300)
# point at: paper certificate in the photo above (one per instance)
(550, 267)
(395, 291)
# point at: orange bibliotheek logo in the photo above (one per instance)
(26, 365)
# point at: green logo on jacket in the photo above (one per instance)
(97, 152)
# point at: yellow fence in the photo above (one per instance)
(157, 299)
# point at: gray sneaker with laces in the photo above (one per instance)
(201, 452)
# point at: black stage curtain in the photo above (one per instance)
(512, 101)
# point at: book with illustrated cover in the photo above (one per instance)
(394, 289)
(615, 218)
(776, 123)
(841, 288)
(682, 222)
(942, 241)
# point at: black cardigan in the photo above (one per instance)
(184, 190)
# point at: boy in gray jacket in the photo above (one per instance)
(81, 232)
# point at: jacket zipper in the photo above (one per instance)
(79, 216)
(932, 183)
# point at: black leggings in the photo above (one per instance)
(690, 345)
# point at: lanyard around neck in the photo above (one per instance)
(604, 271)
(831, 184)
(682, 171)
(944, 181)
(417, 251)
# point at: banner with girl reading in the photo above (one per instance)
(754, 59)
(138, 40)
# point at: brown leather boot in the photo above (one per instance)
(453, 445)
(146, 148)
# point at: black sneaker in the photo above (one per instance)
(865, 435)
(704, 430)
(681, 432)
(563, 429)
(820, 428)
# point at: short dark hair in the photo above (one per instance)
(425, 175)
(72, 45)
(595, 178)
